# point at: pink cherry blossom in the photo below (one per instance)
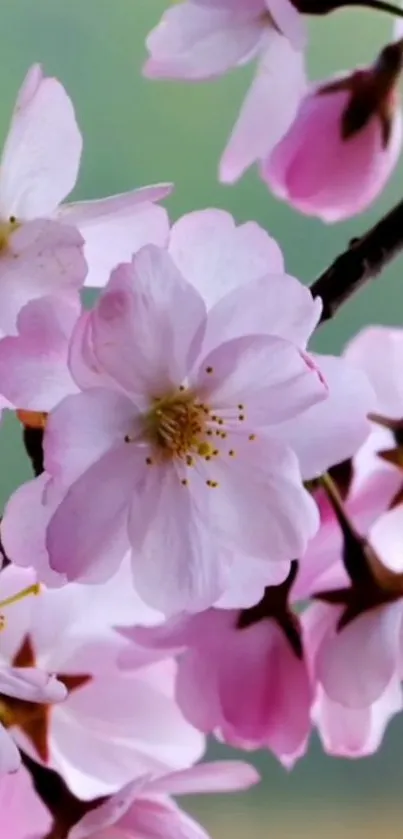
(371, 635)
(202, 39)
(39, 168)
(22, 814)
(113, 725)
(240, 676)
(208, 479)
(345, 731)
(332, 162)
(144, 808)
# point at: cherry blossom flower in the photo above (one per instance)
(113, 725)
(242, 674)
(22, 814)
(184, 441)
(344, 731)
(144, 808)
(202, 39)
(39, 168)
(343, 144)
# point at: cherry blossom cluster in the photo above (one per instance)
(211, 543)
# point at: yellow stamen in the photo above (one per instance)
(26, 592)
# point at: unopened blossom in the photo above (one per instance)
(113, 725)
(174, 445)
(203, 39)
(22, 814)
(145, 807)
(39, 168)
(344, 143)
(242, 673)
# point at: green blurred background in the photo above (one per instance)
(138, 132)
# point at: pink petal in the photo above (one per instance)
(216, 256)
(31, 685)
(386, 537)
(260, 506)
(194, 42)
(10, 759)
(372, 639)
(92, 550)
(356, 732)
(269, 107)
(161, 819)
(326, 433)
(272, 304)
(289, 21)
(115, 228)
(377, 350)
(146, 733)
(248, 580)
(146, 323)
(265, 691)
(220, 776)
(34, 373)
(269, 376)
(176, 564)
(23, 530)
(83, 428)
(41, 157)
(96, 821)
(22, 814)
(44, 257)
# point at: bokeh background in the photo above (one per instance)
(138, 132)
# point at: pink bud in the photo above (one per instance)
(343, 144)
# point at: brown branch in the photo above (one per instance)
(364, 259)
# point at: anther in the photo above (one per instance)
(252, 437)
(241, 407)
(241, 417)
(149, 461)
(209, 370)
(184, 482)
(231, 453)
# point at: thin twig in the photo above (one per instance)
(364, 259)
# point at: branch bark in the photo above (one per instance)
(365, 258)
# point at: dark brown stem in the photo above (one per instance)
(33, 442)
(364, 259)
(64, 807)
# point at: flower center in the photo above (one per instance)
(176, 425)
(6, 229)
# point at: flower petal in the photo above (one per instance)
(41, 157)
(331, 430)
(176, 564)
(196, 42)
(43, 257)
(117, 227)
(219, 776)
(146, 323)
(34, 373)
(269, 108)
(372, 639)
(216, 256)
(268, 376)
(92, 550)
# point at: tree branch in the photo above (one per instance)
(364, 259)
